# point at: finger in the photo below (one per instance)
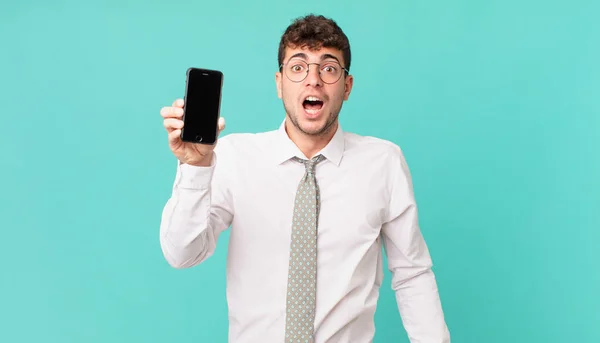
(178, 103)
(174, 136)
(172, 124)
(171, 112)
(221, 124)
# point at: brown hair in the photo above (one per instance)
(315, 32)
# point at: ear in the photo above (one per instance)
(348, 83)
(278, 83)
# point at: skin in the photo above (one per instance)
(309, 133)
(312, 134)
(189, 153)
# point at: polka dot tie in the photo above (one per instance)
(302, 273)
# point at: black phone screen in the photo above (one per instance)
(201, 106)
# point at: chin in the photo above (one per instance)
(313, 125)
(312, 128)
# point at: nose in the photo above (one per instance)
(313, 78)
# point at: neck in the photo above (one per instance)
(310, 144)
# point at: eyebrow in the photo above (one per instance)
(323, 57)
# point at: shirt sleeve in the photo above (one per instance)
(197, 212)
(410, 263)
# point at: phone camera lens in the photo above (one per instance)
(199, 138)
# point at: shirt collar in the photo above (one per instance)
(286, 149)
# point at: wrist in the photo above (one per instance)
(206, 161)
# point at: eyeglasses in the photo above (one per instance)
(296, 70)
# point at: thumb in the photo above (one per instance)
(221, 124)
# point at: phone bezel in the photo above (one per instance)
(187, 77)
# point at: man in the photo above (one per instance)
(310, 208)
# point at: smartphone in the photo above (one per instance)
(202, 105)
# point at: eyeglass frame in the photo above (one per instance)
(308, 71)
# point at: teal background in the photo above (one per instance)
(495, 104)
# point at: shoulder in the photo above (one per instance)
(384, 157)
(385, 162)
(244, 141)
(244, 148)
(373, 146)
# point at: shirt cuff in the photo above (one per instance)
(195, 177)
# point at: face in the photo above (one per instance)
(312, 105)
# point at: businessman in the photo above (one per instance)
(310, 208)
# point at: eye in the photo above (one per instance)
(297, 68)
(329, 68)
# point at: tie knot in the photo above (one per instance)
(310, 164)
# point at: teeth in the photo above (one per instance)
(313, 98)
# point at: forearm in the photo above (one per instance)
(185, 237)
(421, 310)
(191, 220)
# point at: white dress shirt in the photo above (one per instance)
(367, 203)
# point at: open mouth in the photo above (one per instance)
(312, 104)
